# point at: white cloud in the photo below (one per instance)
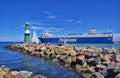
(37, 28)
(73, 21)
(70, 20)
(51, 17)
(47, 29)
(77, 22)
(47, 12)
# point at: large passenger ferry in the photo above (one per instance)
(91, 37)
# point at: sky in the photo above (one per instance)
(58, 17)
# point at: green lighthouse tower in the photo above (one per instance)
(27, 33)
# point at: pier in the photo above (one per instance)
(88, 62)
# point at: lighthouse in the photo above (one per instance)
(27, 33)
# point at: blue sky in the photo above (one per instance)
(58, 17)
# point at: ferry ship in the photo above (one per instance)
(91, 37)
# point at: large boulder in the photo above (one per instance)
(43, 48)
(109, 71)
(78, 68)
(115, 57)
(73, 53)
(92, 61)
(73, 59)
(84, 65)
(91, 69)
(82, 52)
(25, 74)
(100, 66)
(68, 60)
(118, 75)
(95, 53)
(106, 58)
(80, 59)
(98, 75)
(39, 76)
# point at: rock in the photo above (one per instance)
(80, 58)
(106, 58)
(43, 48)
(95, 53)
(100, 66)
(52, 56)
(111, 65)
(33, 53)
(2, 73)
(84, 65)
(73, 53)
(118, 75)
(77, 49)
(62, 57)
(15, 73)
(105, 51)
(55, 61)
(41, 54)
(109, 71)
(117, 68)
(73, 59)
(68, 60)
(91, 69)
(40, 76)
(82, 52)
(25, 74)
(115, 57)
(87, 75)
(101, 55)
(92, 62)
(98, 75)
(68, 51)
(88, 55)
(78, 68)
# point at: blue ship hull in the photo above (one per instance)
(77, 40)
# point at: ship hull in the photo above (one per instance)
(77, 40)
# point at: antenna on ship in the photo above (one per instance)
(110, 29)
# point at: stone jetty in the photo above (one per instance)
(7, 73)
(89, 62)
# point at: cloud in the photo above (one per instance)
(47, 12)
(51, 17)
(116, 37)
(37, 28)
(47, 29)
(70, 20)
(77, 22)
(51, 29)
(73, 21)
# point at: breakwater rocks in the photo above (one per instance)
(89, 62)
(6, 73)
